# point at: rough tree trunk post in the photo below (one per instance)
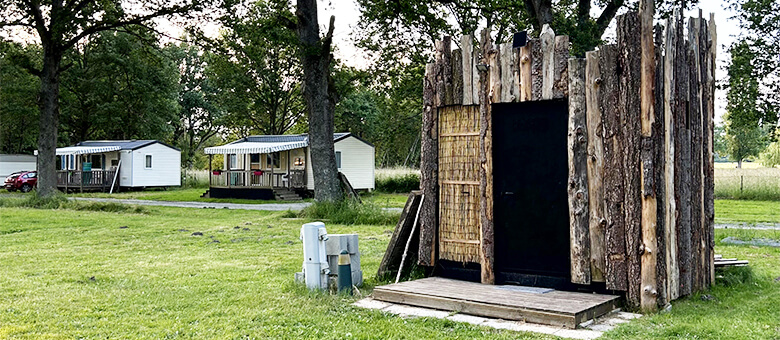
(316, 58)
(579, 233)
(49, 121)
(489, 54)
(429, 171)
(649, 289)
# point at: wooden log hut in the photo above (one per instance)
(590, 173)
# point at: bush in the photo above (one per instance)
(349, 212)
(194, 178)
(398, 184)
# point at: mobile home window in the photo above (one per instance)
(272, 160)
(72, 162)
(97, 161)
(338, 159)
(254, 161)
(148, 161)
(232, 161)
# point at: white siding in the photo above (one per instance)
(357, 162)
(126, 168)
(165, 170)
(14, 163)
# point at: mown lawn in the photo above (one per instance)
(193, 195)
(79, 274)
(744, 211)
(73, 274)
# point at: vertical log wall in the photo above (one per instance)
(640, 151)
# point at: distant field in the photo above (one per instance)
(751, 182)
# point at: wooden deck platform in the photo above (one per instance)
(536, 305)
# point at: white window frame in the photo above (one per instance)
(72, 162)
(232, 160)
(151, 159)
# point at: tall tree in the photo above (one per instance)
(255, 68)
(199, 117)
(759, 22)
(320, 96)
(18, 95)
(60, 25)
(745, 120)
(120, 85)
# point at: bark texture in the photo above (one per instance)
(320, 101)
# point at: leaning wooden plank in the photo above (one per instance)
(457, 77)
(537, 71)
(507, 73)
(682, 161)
(629, 62)
(694, 119)
(560, 70)
(467, 50)
(579, 235)
(613, 169)
(487, 257)
(429, 172)
(648, 284)
(395, 248)
(597, 223)
(659, 132)
(524, 68)
(548, 61)
(670, 204)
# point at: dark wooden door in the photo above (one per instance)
(530, 174)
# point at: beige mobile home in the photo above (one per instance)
(268, 167)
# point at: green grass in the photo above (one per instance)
(175, 194)
(386, 200)
(744, 306)
(751, 212)
(348, 212)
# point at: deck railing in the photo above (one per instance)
(258, 179)
(91, 180)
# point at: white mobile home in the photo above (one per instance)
(15, 163)
(267, 167)
(111, 164)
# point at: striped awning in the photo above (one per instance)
(84, 150)
(254, 147)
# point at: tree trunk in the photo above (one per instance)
(48, 102)
(316, 58)
(739, 164)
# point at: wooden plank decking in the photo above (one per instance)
(557, 308)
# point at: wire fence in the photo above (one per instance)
(755, 184)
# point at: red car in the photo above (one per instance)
(24, 181)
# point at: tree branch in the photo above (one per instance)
(607, 15)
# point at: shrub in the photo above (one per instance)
(398, 184)
(349, 212)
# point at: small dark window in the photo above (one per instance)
(114, 162)
(254, 158)
(338, 159)
(272, 160)
(97, 161)
(148, 161)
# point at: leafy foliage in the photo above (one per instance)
(256, 73)
(18, 96)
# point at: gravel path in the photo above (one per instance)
(760, 226)
(202, 205)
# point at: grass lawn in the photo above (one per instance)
(735, 211)
(174, 194)
(78, 274)
(193, 195)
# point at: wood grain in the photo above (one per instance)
(487, 261)
(467, 54)
(597, 221)
(429, 171)
(560, 69)
(548, 61)
(579, 234)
